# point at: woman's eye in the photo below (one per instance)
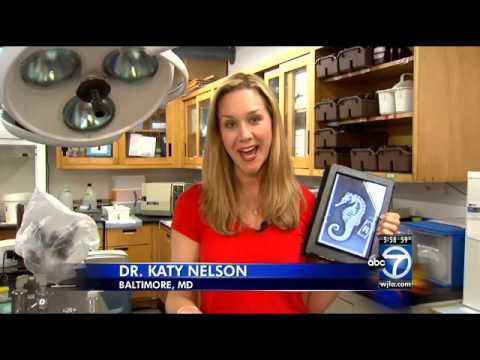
(229, 124)
(256, 119)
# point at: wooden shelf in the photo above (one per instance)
(390, 117)
(377, 72)
(148, 131)
(302, 172)
(398, 177)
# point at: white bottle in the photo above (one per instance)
(90, 199)
(66, 197)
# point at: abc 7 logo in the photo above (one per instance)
(395, 262)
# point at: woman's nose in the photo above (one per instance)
(245, 132)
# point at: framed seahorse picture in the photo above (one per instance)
(347, 212)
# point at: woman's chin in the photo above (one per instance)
(250, 170)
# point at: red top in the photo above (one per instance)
(249, 246)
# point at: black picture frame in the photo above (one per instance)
(359, 198)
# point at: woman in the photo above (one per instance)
(250, 207)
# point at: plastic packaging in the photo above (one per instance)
(54, 239)
(90, 198)
(66, 197)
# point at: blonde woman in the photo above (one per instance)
(249, 207)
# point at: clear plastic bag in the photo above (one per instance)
(53, 239)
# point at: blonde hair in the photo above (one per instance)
(282, 197)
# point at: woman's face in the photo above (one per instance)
(246, 130)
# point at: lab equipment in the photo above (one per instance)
(83, 91)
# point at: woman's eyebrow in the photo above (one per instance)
(226, 116)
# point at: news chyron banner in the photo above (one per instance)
(390, 269)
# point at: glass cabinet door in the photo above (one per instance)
(274, 82)
(272, 78)
(296, 110)
(149, 140)
(150, 143)
(294, 84)
(191, 129)
(203, 108)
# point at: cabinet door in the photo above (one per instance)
(297, 89)
(447, 112)
(196, 123)
(96, 157)
(191, 131)
(273, 80)
(203, 111)
(150, 143)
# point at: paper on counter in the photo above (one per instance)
(141, 145)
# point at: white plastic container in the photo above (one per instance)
(116, 213)
(386, 101)
(66, 197)
(90, 198)
(11, 201)
(404, 94)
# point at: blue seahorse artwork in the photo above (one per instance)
(351, 215)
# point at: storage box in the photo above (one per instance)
(364, 159)
(354, 58)
(381, 54)
(326, 157)
(327, 66)
(326, 110)
(395, 159)
(331, 138)
(439, 252)
(355, 107)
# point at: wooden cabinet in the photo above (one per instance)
(443, 127)
(137, 243)
(149, 243)
(163, 125)
(447, 112)
(441, 130)
(6, 234)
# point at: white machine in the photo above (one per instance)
(159, 199)
(82, 96)
(471, 285)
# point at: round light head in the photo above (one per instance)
(130, 64)
(49, 67)
(81, 116)
(80, 105)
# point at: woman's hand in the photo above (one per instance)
(389, 224)
(189, 309)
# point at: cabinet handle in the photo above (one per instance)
(129, 232)
(168, 235)
(169, 149)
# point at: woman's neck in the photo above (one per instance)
(249, 187)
